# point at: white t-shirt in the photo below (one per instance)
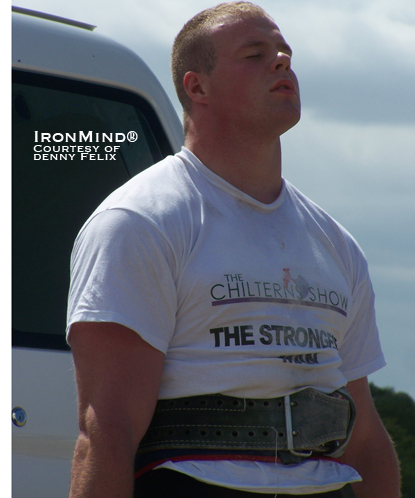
(244, 298)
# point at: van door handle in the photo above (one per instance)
(19, 417)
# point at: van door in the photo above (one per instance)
(57, 184)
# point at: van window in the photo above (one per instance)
(64, 135)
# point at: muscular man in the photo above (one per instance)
(210, 275)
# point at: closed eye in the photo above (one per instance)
(253, 56)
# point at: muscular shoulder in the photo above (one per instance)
(158, 207)
(156, 192)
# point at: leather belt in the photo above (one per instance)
(301, 424)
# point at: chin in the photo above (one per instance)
(295, 120)
(284, 123)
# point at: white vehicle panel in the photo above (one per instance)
(54, 48)
(44, 394)
(43, 385)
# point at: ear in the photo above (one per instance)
(195, 86)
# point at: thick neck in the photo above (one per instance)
(249, 162)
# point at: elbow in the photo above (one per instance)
(106, 433)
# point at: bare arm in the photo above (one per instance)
(118, 376)
(370, 450)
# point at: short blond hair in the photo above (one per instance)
(193, 49)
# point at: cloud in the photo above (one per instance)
(353, 59)
(355, 64)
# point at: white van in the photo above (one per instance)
(87, 115)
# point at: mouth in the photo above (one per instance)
(283, 86)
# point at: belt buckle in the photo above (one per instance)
(289, 430)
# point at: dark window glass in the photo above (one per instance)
(53, 192)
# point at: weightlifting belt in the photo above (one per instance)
(294, 427)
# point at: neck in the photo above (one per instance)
(250, 163)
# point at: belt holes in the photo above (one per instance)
(170, 432)
(235, 433)
(266, 403)
(235, 402)
(203, 402)
(251, 403)
(265, 433)
(281, 434)
(171, 403)
(251, 433)
(186, 403)
(279, 403)
(219, 433)
(203, 433)
(219, 402)
(187, 432)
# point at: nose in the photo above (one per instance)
(281, 61)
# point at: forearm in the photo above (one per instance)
(379, 468)
(101, 470)
(371, 451)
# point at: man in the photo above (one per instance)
(208, 274)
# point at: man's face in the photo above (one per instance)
(252, 84)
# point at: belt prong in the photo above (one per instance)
(288, 423)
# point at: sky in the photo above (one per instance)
(353, 152)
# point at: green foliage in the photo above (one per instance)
(397, 411)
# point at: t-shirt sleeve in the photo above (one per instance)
(360, 350)
(122, 271)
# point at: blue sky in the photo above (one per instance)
(353, 152)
